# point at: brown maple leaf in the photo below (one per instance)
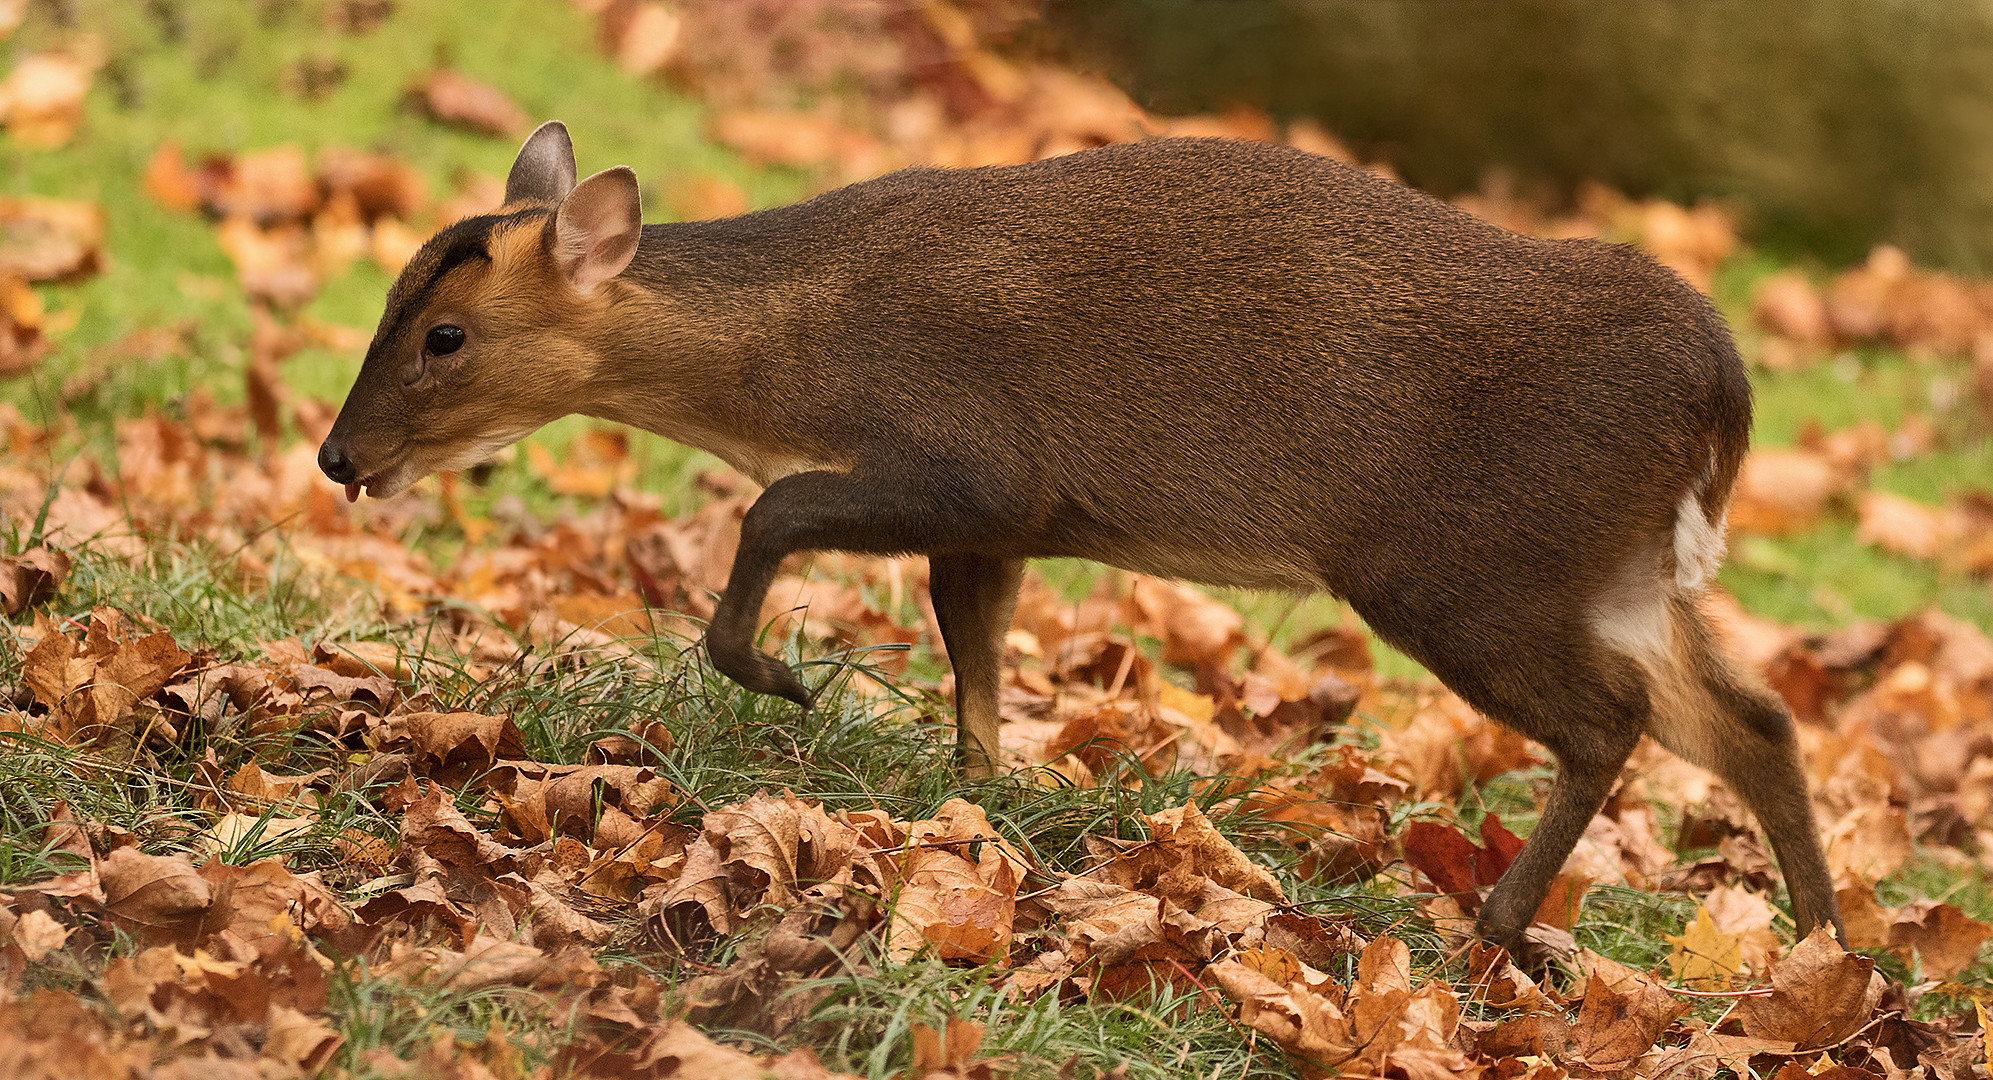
(1820, 995)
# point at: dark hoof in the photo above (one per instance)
(760, 673)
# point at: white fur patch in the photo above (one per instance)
(1699, 545)
(1634, 621)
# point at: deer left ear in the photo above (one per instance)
(544, 170)
(596, 228)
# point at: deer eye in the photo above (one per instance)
(444, 340)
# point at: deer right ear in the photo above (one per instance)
(597, 228)
(544, 169)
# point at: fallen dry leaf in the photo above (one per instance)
(1704, 957)
(1308, 1025)
(799, 140)
(1820, 995)
(1196, 630)
(1788, 305)
(158, 896)
(379, 185)
(41, 100)
(1746, 916)
(1783, 490)
(49, 239)
(91, 687)
(31, 578)
(1620, 1020)
(1184, 837)
(451, 97)
(1902, 526)
(1943, 939)
(955, 895)
(947, 1053)
(269, 186)
(21, 341)
(642, 37)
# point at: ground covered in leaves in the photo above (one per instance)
(438, 786)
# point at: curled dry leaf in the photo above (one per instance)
(486, 962)
(1496, 981)
(36, 934)
(31, 578)
(298, 1042)
(1747, 916)
(1943, 939)
(450, 747)
(1196, 630)
(773, 982)
(597, 803)
(1708, 1052)
(1310, 1026)
(158, 896)
(264, 901)
(1868, 842)
(1456, 866)
(947, 1053)
(1396, 1028)
(762, 851)
(1185, 837)
(1446, 744)
(91, 687)
(956, 895)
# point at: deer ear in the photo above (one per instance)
(544, 169)
(597, 226)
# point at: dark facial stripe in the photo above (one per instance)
(462, 249)
(454, 246)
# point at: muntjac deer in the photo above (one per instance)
(1232, 363)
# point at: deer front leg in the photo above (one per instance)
(826, 511)
(974, 598)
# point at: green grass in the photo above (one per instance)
(210, 74)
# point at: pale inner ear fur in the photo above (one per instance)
(544, 169)
(597, 227)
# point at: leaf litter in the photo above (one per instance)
(515, 875)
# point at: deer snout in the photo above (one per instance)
(335, 463)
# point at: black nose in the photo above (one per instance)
(334, 463)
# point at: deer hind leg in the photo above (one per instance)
(974, 599)
(1540, 672)
(1716, 718)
